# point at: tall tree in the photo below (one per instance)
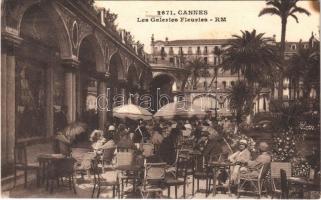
(218, 52)
(195, 66)
(254, 56)
(304, 66)
(240, 100)
(284, 9)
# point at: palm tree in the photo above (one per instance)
(283, 9)
(195, 66)
(217, 52)
(240, 100)
(304, 66)
(254, 56)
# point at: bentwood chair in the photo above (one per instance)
(201, 171)
(154, 177)
(21, 163)
(180, 178)
(128, 170)
(101, 180)
(62, 169)
(257, 181)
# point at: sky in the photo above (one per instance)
(240, 15)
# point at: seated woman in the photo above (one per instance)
(97, 140)
(127, 140)
(110, 144)
(242, 156)
(157, 138)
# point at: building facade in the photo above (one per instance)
(211, 93)
(62, 54)
(208, 92)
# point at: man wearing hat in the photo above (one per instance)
(188, 130)
(264, 158)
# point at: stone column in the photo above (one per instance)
(102, 99)
(71, 67)
(10, 40)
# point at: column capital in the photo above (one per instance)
(10, 38)
(70, 64)
(102, 76)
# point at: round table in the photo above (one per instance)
(217, 165)
(44, 161)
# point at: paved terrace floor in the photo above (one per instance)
(84, 190)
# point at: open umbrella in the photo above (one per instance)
(74, 129)
(132, 111)
(180, 109)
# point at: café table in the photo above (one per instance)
(304, 184)
(45, 160)
(221, 165)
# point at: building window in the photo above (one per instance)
(171, 52)
(198, 50)
(293, 46)
(163, 54)
(171, 60)
(205, 60)
(190, 50)
(205, 50)
(224, 84)
(232, 83)
(180, 51)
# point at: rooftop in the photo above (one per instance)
(195, 42)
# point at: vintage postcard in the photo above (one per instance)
(160, 99)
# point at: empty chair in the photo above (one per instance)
(180, 178)
(103, 180)
(154, 177)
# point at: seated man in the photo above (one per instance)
(254, 166)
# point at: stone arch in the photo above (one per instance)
(98, 52)
(173, 79)
(62, 33)
(116, 67)
(132, 77)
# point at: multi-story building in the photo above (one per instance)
(208, 92)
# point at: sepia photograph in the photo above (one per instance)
(160, 99)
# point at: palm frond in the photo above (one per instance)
(295, 17)
(271, 11)
(297, 9)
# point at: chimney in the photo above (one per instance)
(102, 13)
(152, 40)
(274, 37)
(166, 39)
